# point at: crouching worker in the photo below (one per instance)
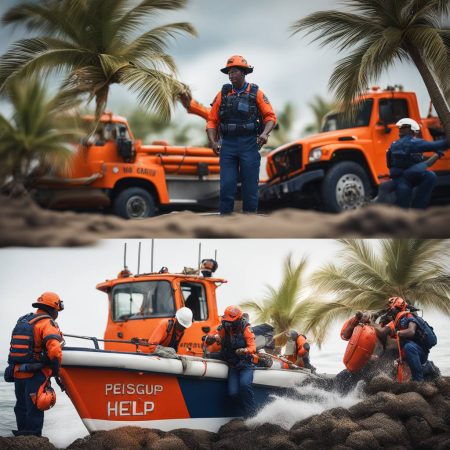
(169, 332)
(35, 355)
(415, 335)
(297, 350)
(237, 349)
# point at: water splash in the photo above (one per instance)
(286, 411)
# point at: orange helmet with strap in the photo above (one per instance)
(49, 299)
(45, 397)
(232, 313)
(237, 61)
(397, 303)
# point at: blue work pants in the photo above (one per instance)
(240, 389)
(239, 158)
(423, 181)
(415, 356)
(30, 420)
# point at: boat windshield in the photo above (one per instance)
(338, 121)
(143, 299)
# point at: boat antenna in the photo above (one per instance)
(199, 254)
(153, 246)
(215, 254)
(139, 258)
(125, 255)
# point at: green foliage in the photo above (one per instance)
(319, 107)
(37, 136)
(283, 133)
(365, 276)
(282, 307)
(377, 34)
(97, 44)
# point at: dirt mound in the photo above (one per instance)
(402, 416)
(23, 223)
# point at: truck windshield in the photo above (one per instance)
(142, 299)
(338, 121)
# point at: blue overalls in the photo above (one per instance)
(239, 152)
(240, 371)
(404, 156)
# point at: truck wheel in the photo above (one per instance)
(345, 186)
(134, 203)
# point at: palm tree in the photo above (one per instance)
(366, 275)
(96, 43)
(282, 307)
(319, 107)
(37, 135)
(380, 33)
(282, 133)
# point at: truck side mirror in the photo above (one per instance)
(382, 123)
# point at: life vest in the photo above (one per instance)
(172, 338)
(424, 335)
(23, 348)
(360, 347)
(239, 113)
(401, 154)
(230, 343)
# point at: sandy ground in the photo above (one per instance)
(22, 223)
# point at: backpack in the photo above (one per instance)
(426, 333)
(22, 340)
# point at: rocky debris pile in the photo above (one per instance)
(23, 223)
(393, 415)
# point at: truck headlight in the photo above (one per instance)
(315, 154)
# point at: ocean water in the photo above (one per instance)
(62, 424)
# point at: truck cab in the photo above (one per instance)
(112, 170)
(342, 166)
(138, 303)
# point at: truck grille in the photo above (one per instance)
(287, 161)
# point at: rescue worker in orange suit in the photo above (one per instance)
(237, 349)
(169, 332)
(239, 124)
(405, 326)
(297, 350)
(35, 355)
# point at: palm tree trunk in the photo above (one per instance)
(436, 94)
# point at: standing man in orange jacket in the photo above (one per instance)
(169, 332)
(239, 124)
(35, 355)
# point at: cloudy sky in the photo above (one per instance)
(248, 265)
(286, 68)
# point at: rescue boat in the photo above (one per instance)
(111, 389)
(119, 385)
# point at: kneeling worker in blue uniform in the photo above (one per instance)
(237, 349)
(403, 158)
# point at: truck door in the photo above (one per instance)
(194, 297)
(390, 111)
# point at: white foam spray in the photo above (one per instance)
(286, 411)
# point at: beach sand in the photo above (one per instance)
(23, 223)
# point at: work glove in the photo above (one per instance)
(358, 316)
(138, 341)
(241, 351)
(211, 339)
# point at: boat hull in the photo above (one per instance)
(113, 389)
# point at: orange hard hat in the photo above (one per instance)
(237, 61)
(232, 313)
(45, 397)
(397, 302)
(49, 299)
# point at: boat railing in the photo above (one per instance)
(95, 340)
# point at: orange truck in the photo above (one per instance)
(341, 167)
(112, 170)
(137, 303)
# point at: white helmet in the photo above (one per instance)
(409, 122)
(184, 317)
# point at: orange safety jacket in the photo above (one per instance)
(301, 352)
(264, 106)
(42, 329)
(166, 335)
